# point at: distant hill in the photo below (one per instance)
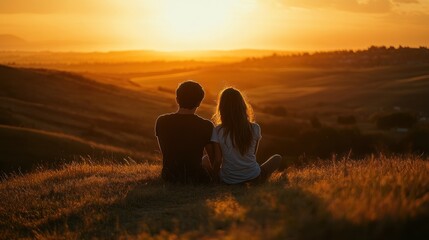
(50, 57)
(44, 103)
(11, 42)
(374, 56)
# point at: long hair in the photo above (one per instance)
(235, 116)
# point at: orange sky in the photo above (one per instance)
(213, 24)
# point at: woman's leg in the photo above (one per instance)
(269, 166)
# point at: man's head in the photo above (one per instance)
(189, 95)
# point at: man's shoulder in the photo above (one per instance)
(205, 121)
(162, 122)
(194, 119)
(164, 116)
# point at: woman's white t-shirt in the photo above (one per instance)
(237, 168)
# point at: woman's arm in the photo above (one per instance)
(259, 136)
(207, 163)
(215, 154)
(257, 146)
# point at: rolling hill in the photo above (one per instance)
(307, 88)
(117, 108)
(44, 107)
(26, 148)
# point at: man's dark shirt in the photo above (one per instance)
(182, 138)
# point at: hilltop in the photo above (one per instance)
(375, 198)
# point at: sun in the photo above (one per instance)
(195, 23)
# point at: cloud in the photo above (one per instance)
(364, 6)
(51, 6)
(406, 1)
(415, 19)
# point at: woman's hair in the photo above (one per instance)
(235, 116)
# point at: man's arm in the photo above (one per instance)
(157, 129)
(159, 145)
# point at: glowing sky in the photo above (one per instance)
(215, 24)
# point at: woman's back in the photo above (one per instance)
(237, 167)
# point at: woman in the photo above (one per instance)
(236, 137)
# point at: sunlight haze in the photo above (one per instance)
(211, 24)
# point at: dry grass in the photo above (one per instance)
(374, 198)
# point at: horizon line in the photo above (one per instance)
(273, 50)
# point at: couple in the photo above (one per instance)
(230, 146)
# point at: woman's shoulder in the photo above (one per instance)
(255, 125)
(217, 127)
(256, 129)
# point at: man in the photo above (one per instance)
(183, 136)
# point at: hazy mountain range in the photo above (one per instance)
(10, 45)
(8, 41)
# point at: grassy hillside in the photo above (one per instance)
(71, 105)
(375, 198)
(299, 100)
(25, 148)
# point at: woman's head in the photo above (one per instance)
(235, 115)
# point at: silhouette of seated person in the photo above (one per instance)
(183, 137)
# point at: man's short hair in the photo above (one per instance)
(189, 94)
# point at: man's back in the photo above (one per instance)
(182, 138)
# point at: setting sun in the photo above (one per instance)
(189, 19)
(193, 24)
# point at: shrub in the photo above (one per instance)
(276, 111)
(346, 120)
(324, 141)
(418, 139)
(315, 122)
(396, 120)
